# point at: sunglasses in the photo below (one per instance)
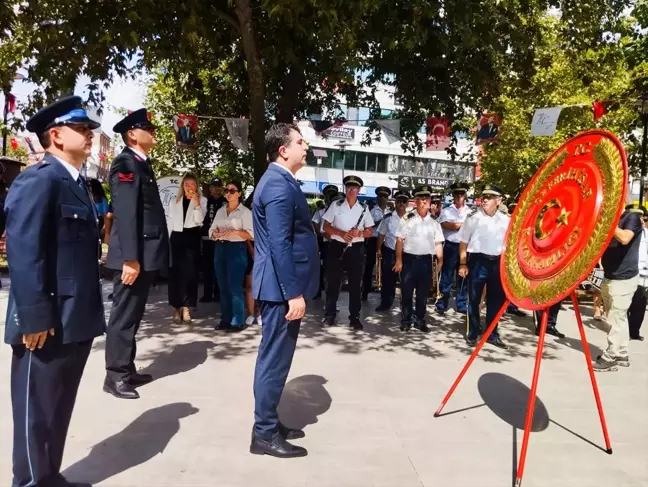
(231, 191)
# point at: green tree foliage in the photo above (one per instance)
(562, 76)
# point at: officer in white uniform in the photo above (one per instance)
(451, 219)
(481, 243)
(349, 222)
(329, 191)
(387, 250)
(378, 212)
(419, 238)
(436, 205)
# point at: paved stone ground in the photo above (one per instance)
(366, 402)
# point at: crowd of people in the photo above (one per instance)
(265, 259)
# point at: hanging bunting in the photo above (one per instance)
(11, 103)
(238, 131)
(30, 145)
(488, 128)
(323, 126)
(437, 134)
(391, 129)
(544, 121)
(186, 130)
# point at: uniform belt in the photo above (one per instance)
(345, 244)
(415, 256)
(228, 242)
(485, 256)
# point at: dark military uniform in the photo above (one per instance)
(53, 254)
(139, 233)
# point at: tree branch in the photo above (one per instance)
(229, 19)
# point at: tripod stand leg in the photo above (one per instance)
(479, 346)
(588, 358)
(532, 398)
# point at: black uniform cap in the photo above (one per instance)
(216, 182)
(402, 194)
(65, 111)
(352, 181)
(492, 190)
(383, 191)
(423, 191)
(139, 119)
(329, 188)
(459, 187)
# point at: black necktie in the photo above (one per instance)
(82, 184)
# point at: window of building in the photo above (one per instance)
(360, 162)
(382, 163)
(371, 162)
(349, 160)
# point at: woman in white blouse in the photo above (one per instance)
(187, 214)
(231, 227)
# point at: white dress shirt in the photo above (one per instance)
(388, 227)
(239, 219)
(318, 219)
(74, 172)
(194, 218)
(452, 214)
(285, 169)
(140, 154)
(344, 218)
(377, 213)
(484, 234)
(420, 235)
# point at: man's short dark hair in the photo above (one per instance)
(125, 138)
(45, 140)
(276, 136)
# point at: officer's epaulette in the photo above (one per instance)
(636, 210)
(43, 163)
(409, 215)
(503, 212)
(340, 201)
(473, 211)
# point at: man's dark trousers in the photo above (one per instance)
(129, 303)
(276, 351)
(388, 276)
(370, 264)
(44, 386)
(483, 270)
(637, 311)
(352, 263)
(551, 319)
(450, 271)
(416, 273)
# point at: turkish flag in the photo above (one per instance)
(599, 110)
(14, 143)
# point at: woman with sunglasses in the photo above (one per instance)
(231, 228)
(187, 215)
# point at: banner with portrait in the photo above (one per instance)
(186, 130)
(488, 128)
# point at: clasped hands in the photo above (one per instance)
(216, 235)
(351, 234)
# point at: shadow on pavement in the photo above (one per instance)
(303, 400)
(140, 441)
(179, 359)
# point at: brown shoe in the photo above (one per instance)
(177, 317)
(186, 315)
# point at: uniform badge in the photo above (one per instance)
(126, 177)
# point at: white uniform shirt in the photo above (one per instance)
(452, 214)
(388, 227)
(239, 219)
(484, 234)
(318, 219)
(378, 214)
(345, 218)
(420, 234)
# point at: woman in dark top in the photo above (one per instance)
(187, 214)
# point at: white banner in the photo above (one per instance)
(238, 132)
(544, 121)
(391, 129)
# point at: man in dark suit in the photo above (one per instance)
(488, 131)
(285, 274)
(139, 248)
(55, 305)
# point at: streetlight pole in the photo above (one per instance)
(342, 145)
(644, 118)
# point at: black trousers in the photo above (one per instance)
(351, 262)
(323, 249)
(389, 277)
(185, 264)
(44, 386)
(128, 307)
(637, 311)
(551, 319)
(416, 274)
(370, 263)
(210, 283)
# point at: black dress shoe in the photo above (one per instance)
(517, 312)
(223, 326)
(471, 342)
(637, 337)
(356, 324)
(382, 308)
(422, 327)
(236, 329)
(140, 379)
(405, 326)
(278, 447)
(329, 321)
(290, 433)
(497, 341)
(58, 480)
(552, 330)
(206, 299)
(120, 389)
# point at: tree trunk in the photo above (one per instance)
(292, 86)
(257, 88)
